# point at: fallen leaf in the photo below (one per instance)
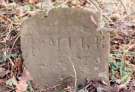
(22, 84)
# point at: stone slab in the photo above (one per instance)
(65, 43)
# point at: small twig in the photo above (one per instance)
(91, 2)
(9, 29)
(42, 4)
(75, 73)
(123, 5)
(12, 65)
(17, 37)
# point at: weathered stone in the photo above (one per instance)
(64, 44)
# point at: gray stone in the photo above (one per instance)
(65, 44)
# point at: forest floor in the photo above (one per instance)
(15, 78)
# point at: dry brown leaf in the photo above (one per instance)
(22, 84)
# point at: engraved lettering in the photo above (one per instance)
(64, 43)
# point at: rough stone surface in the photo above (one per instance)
(64, 43)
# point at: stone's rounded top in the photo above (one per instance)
(63, 17)
(66, 11)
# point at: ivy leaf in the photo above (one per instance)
(11, 82)
(126, 78)
(29, 7)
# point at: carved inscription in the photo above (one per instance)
(67, 43)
